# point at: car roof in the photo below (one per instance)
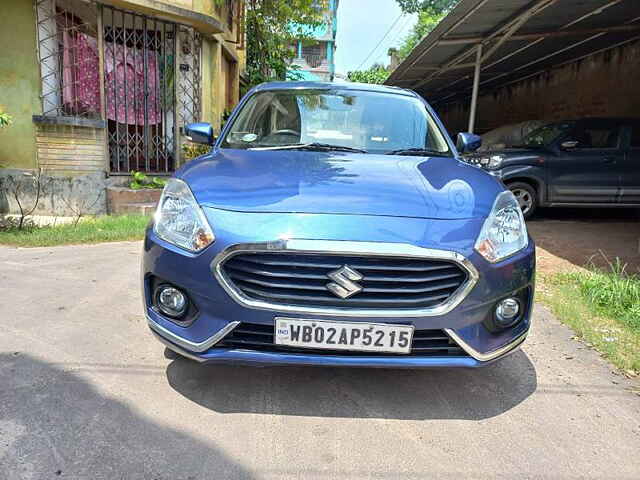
(334, 86)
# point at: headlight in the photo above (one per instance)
(179, 219)
(504, 231)
(491, 161)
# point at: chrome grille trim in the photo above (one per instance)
(347, 248)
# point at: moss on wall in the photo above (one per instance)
(19, 83)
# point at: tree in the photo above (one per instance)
(272, 28)
(377, 74)
(430, 12)
(427, 21)
(437, 7)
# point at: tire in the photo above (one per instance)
(527, 198)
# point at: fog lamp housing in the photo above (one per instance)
(507, 312)
(171, 301)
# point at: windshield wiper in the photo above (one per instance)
(312, 146)
(418, 152)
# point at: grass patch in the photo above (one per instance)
(602, 307)
(89, 230)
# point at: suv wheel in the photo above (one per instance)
(526, 196)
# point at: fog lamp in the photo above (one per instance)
(507, 311)
(171, 301)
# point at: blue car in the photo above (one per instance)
(334, 224)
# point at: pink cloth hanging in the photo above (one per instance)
(80, 77)
(122, 63)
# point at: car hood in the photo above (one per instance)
(340, 183)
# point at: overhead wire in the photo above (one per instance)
(381, 40)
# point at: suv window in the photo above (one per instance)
(635, 135)
(596, 136)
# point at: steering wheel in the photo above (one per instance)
(285, 131)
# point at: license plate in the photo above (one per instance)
(365, 337)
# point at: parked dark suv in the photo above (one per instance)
(586, 163)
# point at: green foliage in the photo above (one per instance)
(612, 292)
(272, 27)
(437, 7)
(430, 12)
(5, 119)
(427, 21)
(376, 74)
(90, 230)
(140, 181)
(602, 307)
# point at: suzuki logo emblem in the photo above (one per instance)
(344, 282)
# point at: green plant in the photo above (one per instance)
(140, 181)
(593, 318)
(5, 119)
(90, 230)
(436, 6)
(612, 292)
(376, 74)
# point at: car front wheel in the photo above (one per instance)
(526, 196)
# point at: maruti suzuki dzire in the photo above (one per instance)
(334, 224)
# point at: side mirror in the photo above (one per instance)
(199, 133)
(569, 144)
(468, 142)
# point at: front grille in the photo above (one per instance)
(254, 336)
(300, 279)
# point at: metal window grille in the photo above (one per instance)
(143, 85)
(68, 53)
(189, 90)
(151, 82)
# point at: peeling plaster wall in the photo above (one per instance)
(59, 196)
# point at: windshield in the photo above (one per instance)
(371, 121)
(545, 136)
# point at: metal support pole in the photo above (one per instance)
(476, 84)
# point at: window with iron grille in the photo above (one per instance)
(69, 58)
(151, 83)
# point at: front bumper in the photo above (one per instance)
(219, 312)
(254, 357)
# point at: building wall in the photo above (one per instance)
(74, 158)
(24, 143)
(19, 83)
(604, 84)
(70, 150)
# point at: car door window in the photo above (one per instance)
(635, 136)
(596, 137)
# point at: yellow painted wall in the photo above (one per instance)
(19, 83)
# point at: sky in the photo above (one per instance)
(361, 25)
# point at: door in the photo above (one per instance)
(589, 172)
(630, 172)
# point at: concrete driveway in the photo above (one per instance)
(85, 392)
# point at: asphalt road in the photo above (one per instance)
(85, 392)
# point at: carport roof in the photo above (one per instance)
(519, 38)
